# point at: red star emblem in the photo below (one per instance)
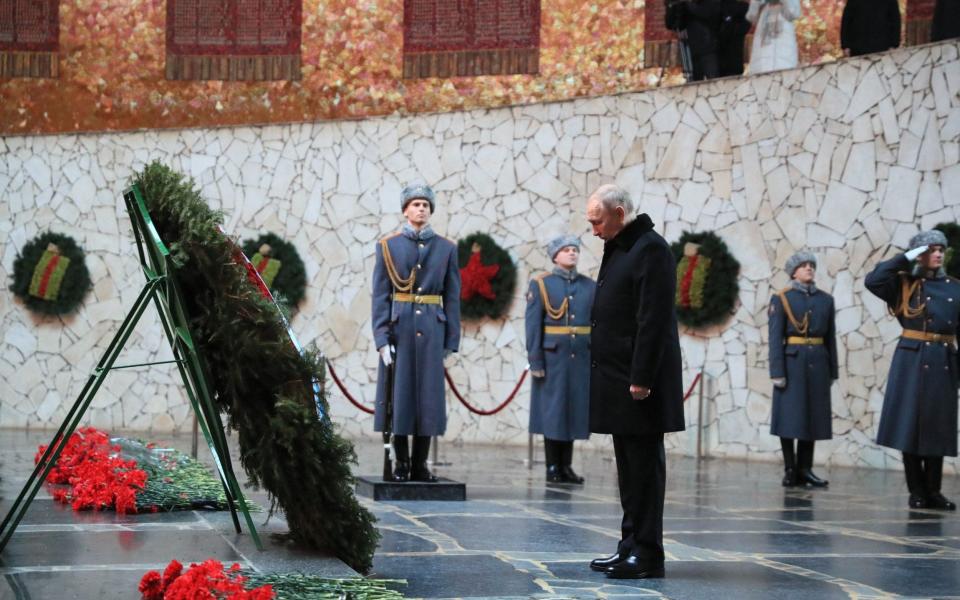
(476, 276)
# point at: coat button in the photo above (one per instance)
(571, 296)
(573, 355)
(593, 323)
(419, 333)
(419, 289)
(573, 316)
(593, 364)
(419, 266)
(418, 311)
(420, 244)
(928, 343)
(926, 366)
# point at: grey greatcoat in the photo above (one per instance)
(920, 403)
(801, 410)
(560, 401)
(422, 332)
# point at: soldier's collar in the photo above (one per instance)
(629, 235)
(807, 288)
(569, 275)
(424, 234)
(919, 271)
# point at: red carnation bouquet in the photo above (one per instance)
(98, 478)
(207, 580)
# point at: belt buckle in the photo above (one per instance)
(418, 299)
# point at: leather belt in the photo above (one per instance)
(926, 336)
(564, 330)
(804, 341)
(418, 298)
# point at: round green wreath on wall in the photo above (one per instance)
(280, 267)
(706, 279)
(50, 275)
(488, 277)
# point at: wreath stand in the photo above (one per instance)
(163, 291)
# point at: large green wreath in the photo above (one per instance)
(289, 276)
(952, 231)
(49, 284)
(707, 286)
(502, 284)
(257, 374)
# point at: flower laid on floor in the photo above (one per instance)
(98, 478)
(209, 580)
(131, 476)
(204, 580)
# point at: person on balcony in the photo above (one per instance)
(558, 350)
(869, 26)
(803, 366)
(919, 416)
(774, 40)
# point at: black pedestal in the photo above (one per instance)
(373, 486)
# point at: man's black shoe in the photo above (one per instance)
(570, 476)
(635, 568)
(940, 502)
(806, 477)
(602, 564)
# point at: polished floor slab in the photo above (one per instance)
(730, 531)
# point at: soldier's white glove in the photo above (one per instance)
(913, 254)
(539, 373)
(780, 382)
(386, 354)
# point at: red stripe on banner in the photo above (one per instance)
(687, 280)
(262, 265)
(47, 273)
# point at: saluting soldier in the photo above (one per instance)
(416, 312)
(803, 365)
(558, 350)
(919, 415)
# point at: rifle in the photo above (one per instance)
(388, 416)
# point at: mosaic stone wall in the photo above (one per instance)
(112, 62)
(846, 158)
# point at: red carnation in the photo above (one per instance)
(151, 586)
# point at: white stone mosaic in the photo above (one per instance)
(849, 159)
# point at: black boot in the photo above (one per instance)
(421, 450)
(553, 457)
(401, 459)
(569, 475)
(913, 471)
(933, 477)
(805, 475)
(789, 463)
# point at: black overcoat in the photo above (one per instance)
(946, 20)
(801, 410)
(635, 339)
(870, 26)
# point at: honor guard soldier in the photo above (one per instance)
(803, 365)
(416, 324)
(558, 350)
(919, 415)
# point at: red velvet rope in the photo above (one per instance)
(503, 405)
(692, 385)
(343, 389)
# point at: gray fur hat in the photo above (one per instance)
(934, 237)
(416, 191)
(798, 259)
(559, 243)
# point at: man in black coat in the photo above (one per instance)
(734, 28)
(700, 19)
(869, 26)
(635, 380)
(946, 20)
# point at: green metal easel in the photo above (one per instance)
(163, 291)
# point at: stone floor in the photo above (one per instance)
(731, 531)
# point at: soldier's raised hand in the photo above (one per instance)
(913, 254)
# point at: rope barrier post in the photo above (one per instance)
(700, 418)
(436, 462)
